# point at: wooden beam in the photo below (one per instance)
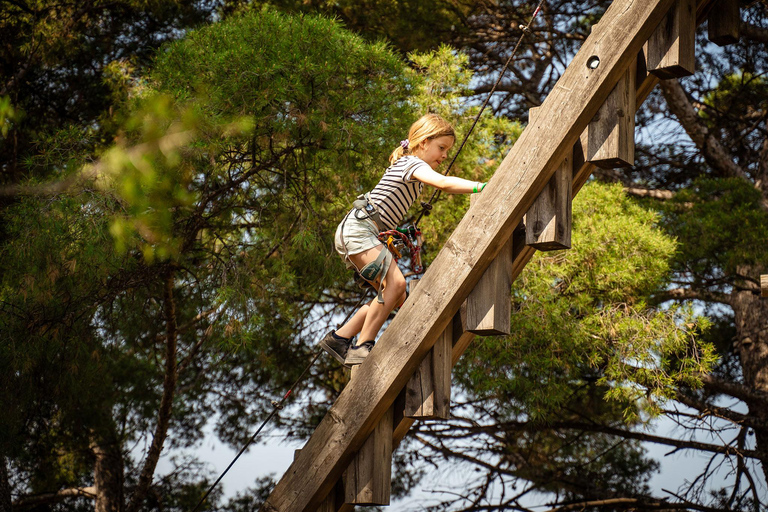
(488, 304)
(523, 253)
(368, 478)
(334, 502)
(723, 22)
(428, 394)
(548, 222)
(671, 50)
(520, 178)
(764, 285)
(611, 134)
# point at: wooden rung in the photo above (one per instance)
(611, 133)
(671, 49)
(367, 479)
(428, 392)
(548, 221)
(723, 22)
(764, 285)
(488, 306)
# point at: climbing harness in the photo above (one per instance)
(409, 237)
(364, 208)
(406, 238)
(396, 240)
(427, 207)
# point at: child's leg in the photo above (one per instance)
(393, 294)
(355, 324)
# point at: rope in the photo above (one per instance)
(426, 207)
(276, 407)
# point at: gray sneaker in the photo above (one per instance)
(336, 347)
(357, 354)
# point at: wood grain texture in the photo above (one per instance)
(582, 170)
(671, 50)
(428, 393)
(488, 305)
(367, 479)
(611, 134)
(723, 22)
(519, 179)
(488, 308)
(548, 222)
(764, 285)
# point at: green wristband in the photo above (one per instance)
(482, 186)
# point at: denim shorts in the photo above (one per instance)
(359, 236)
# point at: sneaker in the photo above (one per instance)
(357, 354)
(336, 346)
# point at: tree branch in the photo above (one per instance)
(54, 497)
(631, 503)
(754, 33)
(720, 412)
(169, 386)
(627, 434)
(664, 195)
(713, 152)
(734, 389)
(688, 294)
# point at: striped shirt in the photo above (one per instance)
(398, 190)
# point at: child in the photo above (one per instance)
(413, 164)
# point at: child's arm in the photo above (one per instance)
(450, 184)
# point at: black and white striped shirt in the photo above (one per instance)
(398, 189)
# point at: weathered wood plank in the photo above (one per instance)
(522, 254)
(367, 479)
(548, 222)
(519, 179)
(764, 285)
(723, 23)
(334, 502)
(611, 134)
(488, 306)
(428, 394)
(671, 50)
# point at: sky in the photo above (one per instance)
(272, 456)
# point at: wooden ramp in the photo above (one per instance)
(587, 113)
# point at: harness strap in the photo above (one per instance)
(368, 207)
(376, 268)
(373, 270)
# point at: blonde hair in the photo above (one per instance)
(429, 126)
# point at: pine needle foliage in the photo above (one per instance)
(582, 316)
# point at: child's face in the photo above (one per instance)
(434, 151)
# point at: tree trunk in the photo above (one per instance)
(166, 402)
(108, 475)
(5, 486)
(750, 314)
